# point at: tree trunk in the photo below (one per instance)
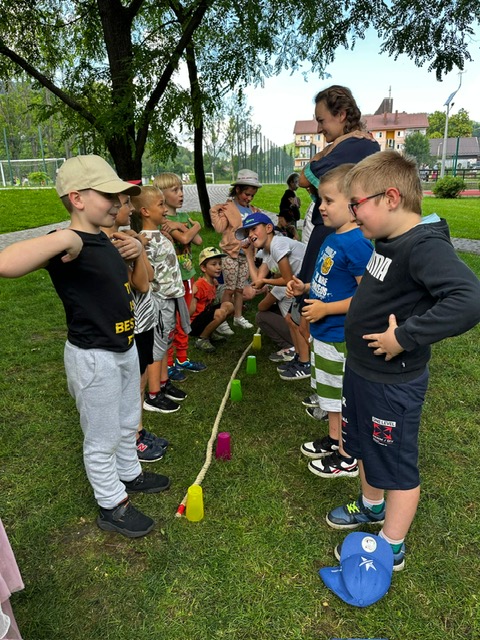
(200, 174)
(196, 101)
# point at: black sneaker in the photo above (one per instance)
(146, 436)
(316, 413)
(148, 450)
(147, 482)
(311, 401)
(125, 519)
(296, 371)
(173, 393)
(160, 403)
(319, 448)
(286, 365)
(176, 374)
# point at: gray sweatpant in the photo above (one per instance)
(106, 389)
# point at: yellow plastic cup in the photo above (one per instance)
(257, 341)
(194, 511)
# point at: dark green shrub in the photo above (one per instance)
(38, 178)
(448, 187)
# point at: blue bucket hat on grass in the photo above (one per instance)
(251, 221)
(365, 571)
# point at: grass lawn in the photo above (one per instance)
(25, 209)
(248, 570)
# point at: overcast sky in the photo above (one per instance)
(287, 98)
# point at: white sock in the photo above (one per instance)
(391, 541)
(371, 503)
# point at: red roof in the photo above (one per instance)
(396, 120)
(303, 127)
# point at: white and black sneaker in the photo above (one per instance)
(160, 403)
(311, 401)
(286, 364)
(296, 371)
(334, 466)
(173, 393)
(316, 413)
(319, 448)
(282, 355)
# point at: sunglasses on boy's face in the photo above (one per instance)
(353, 206)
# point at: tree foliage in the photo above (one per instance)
(459, 125)
(417, 145)
(110, 65)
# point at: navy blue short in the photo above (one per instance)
(144, 342)
(380, 424)
(203, 319)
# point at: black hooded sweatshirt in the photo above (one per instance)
(419, 278)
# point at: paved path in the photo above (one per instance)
(217, 193)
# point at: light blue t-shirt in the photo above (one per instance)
(342, 258)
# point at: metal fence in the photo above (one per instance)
(257, 153)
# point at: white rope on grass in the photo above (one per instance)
(208, 457)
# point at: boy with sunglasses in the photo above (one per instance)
(415, 292)
(90, 276)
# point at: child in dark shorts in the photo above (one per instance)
(205, 315)
(415, 292)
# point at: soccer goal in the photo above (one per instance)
(30, 172)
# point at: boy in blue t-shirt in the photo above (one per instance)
(341, 262)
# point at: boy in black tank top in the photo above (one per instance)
(89, 274)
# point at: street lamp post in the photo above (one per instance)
(448, 104)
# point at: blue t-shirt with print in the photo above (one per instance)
(342, 258)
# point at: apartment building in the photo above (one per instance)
(389, 129)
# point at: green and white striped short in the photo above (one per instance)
(328, 366)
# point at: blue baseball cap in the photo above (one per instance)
(365, 571)
(251, 221)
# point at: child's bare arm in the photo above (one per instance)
(315, 310)
(255, 273)
(29, 255)
(193, 302)
(285, 276)
(197, 238)
(296, 287)
(140, 279)
(181, 233)
(261, 274)
(128, 246)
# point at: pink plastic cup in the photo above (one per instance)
(223, 450)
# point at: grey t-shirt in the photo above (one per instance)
(282, 247)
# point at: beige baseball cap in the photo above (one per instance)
(210, 252)
(91, 172)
